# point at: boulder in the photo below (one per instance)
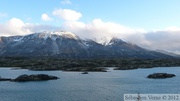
(160, 75)
(35, 77)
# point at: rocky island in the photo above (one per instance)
(160, 75)
(33, 77)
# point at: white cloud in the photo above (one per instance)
(45, 17)
(164, 40)
(98, 29)
(172, 28)
(13, 27)
(16, 26)
(67, 14)
(66, 2)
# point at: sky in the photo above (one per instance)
(152, 24)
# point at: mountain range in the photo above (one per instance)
(68, 45)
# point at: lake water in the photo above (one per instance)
(95, 86)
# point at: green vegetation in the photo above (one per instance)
(85, 64)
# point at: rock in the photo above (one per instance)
(5, 79)
(160, 75)
(35, 77)
(85, 72)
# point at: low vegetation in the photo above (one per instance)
(85, 64)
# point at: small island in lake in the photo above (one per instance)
(160, 75)
(85, 72)
(33, 77)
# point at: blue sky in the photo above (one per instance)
(147, 14)
(153, 24)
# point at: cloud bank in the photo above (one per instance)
(97, 29)
(165, 40)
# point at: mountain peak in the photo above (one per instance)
(115, 40)
(109, 41)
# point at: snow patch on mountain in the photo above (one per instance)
(86, 43)
(104, 40)
(108, 40)
(18, 38)
(56, 34)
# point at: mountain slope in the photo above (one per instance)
(64, 44)
(168, 53)
(68, 45)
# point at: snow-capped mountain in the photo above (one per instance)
(55, 34)
(68, 45)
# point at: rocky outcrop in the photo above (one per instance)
(160, 75)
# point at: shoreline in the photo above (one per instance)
(106, 69)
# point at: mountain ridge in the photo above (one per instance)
(68, 45)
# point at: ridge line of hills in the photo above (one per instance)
(68, 45)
